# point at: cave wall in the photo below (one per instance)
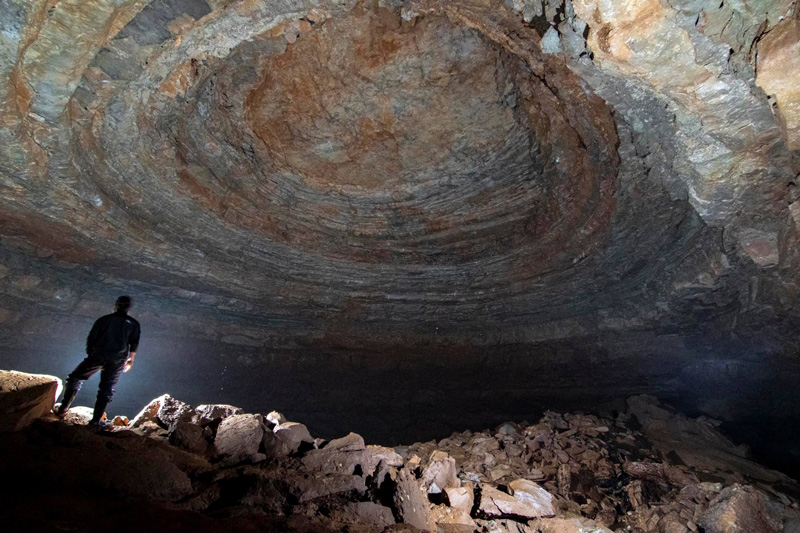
(401, 217)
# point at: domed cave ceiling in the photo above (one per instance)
(413, 215)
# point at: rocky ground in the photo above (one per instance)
(175, 467)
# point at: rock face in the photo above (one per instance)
(592, 474)
(24, 398)
(591, 194)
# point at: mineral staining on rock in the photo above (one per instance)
(485, 177)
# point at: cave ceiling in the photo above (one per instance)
(485, 171)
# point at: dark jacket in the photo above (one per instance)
(113, 334)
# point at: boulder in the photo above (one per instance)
(189, 436)
(352, 442)
(171, 411)
(149, 412)
(290, 436)
(496, 504)
(25, 397)
(740, 509)
(533, 495)
(460, 498)
(411, 501)
(239, 437)
(209, 415)
(440, 472)
(349, 457)
(276, 418)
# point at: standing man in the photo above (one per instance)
(110, 347)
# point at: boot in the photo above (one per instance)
(66, 401)
(99, 411)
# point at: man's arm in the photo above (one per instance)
(133, 345)
(92, 338)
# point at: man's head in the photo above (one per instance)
(123, 303)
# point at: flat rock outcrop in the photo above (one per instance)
(25, 397)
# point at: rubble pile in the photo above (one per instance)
(647, 469)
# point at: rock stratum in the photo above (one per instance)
(596, 197)
(177, 468)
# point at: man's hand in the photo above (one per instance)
(129, 362)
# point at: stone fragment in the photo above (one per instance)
(276, 418)
(120, 421)
(350, 443)
(411, 501)
(149, 412)
(171, 410)
(362, 461)
(496, 504)
(208, 415)
(24, 398)
(239, 437)
(290, 437)
(188, 436)
(440, 472)
(460, 498)
(741, 509)
(532, 494)
(551, 41)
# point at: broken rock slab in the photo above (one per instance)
(210, 415)
(25, 397)
(496, 504)
(411, 501)
(533, 495)
(440, 472)
(239, 438)
(741, 509)
(290, 437)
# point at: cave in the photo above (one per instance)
(409, 218)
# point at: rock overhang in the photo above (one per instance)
(416, 169)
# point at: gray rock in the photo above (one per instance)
(440, 472)
(533, 495)
(290, 436)
(411, 501)
(741, 509)
(205, 415)
(276, 418)
(496, 504)
(239, 437)
(171, 411)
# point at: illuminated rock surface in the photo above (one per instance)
(569, 473)
(407, 218)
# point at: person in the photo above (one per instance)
(110, 347)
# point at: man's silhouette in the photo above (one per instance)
(110, 347)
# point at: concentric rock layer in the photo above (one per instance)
(272, 181)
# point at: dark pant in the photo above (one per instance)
(111, 366)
